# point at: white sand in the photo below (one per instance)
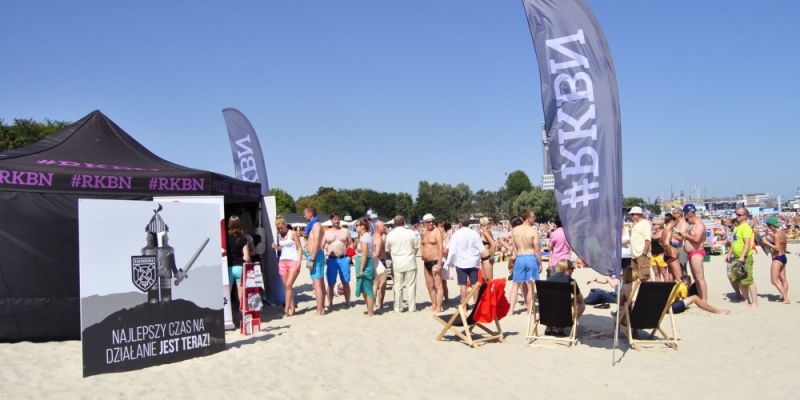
(750, 353)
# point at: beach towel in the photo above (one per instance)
(494, 304)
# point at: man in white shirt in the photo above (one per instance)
(402, 245)
(464, 252)
(641, 237)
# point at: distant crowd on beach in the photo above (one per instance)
(367, 255)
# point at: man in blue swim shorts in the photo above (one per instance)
(528, 264)
(316, 265)
(334, 243)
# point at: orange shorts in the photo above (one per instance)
(286, 266)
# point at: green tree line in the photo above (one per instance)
(443, 200)
(26, 131)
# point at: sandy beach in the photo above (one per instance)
(344, 354)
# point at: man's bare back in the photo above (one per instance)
(526, 238)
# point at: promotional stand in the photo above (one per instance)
(250, 298)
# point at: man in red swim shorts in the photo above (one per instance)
(694, 238)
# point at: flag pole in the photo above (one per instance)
(616, 330)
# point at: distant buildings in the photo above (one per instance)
(757, 203)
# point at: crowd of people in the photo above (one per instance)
(671, 248)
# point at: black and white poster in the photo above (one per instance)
(150, 283)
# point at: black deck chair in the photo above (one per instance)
(461, 324)
(651, 301)
(557, 307)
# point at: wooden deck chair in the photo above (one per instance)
(558, 307)
(462, 324)
(651, 301)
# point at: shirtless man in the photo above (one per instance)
(528, 263)
(315, 257)
(694, 238)
(334, 243)
(432, 245)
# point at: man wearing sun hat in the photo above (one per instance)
(641, 237)
(432, 245)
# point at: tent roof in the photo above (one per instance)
(294, 219)
(95, 156)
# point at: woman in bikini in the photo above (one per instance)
(776, 241)
(657, 249)
(672, 247)
(489, 248)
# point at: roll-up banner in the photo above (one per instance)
(249, 164)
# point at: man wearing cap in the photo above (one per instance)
(432, 244)
(641, 237)
(694, 238)
(402, 245)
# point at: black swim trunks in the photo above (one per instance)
(430, 264)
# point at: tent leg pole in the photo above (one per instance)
(616, 330)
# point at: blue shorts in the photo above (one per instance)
(678, 307)
(234, 274)
(526, 268)
(338, 266)
(781, 258)
(462, 274)
(318, 270)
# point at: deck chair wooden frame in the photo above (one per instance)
(465, 331)
(671, 341)
(534, 321)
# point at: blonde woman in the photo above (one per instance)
(489, 248)
(289, 263)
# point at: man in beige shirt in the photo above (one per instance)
(402, 245)
(641, 237)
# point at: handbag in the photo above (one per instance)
(738, 271)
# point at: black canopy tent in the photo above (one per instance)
(40, 185)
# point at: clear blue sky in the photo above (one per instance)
(383, 94)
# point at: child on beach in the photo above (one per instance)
(682, 300)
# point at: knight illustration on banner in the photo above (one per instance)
(154, 269)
